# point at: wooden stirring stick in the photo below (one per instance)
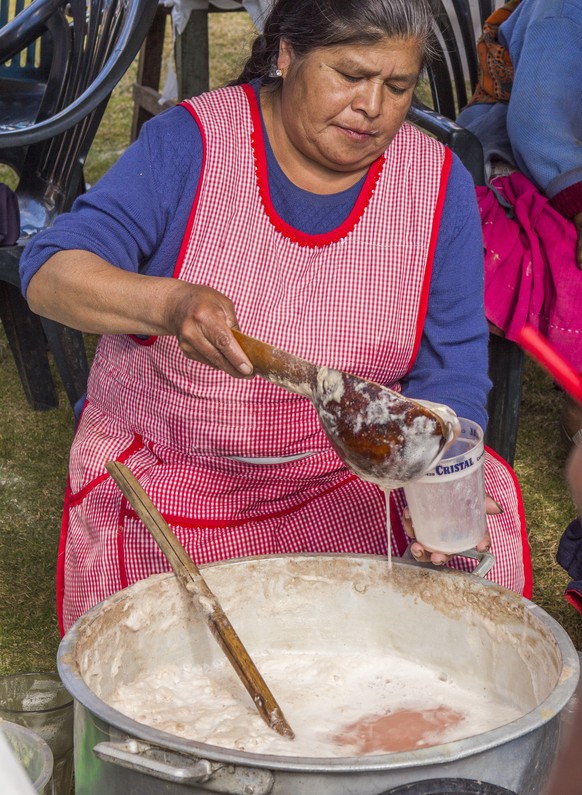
(190, 577)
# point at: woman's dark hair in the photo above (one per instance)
(309, 24)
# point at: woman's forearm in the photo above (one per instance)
(81, 290)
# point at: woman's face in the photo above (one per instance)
(341, 106)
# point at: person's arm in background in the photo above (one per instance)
(451, 365)
(544, 116)
(104, 267)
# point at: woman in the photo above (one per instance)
(300, 206)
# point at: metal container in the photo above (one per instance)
(480, 634)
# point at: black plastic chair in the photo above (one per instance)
(452, 79)
(85, 47)
(23, 79)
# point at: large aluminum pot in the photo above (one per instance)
(479, 633)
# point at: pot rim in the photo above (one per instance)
(547, 710)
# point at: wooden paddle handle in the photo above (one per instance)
(190, 577)
(278, 366)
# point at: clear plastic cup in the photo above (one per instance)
(26, 761)
(447, 505)
(41, 702)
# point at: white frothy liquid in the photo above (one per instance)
(338, 705)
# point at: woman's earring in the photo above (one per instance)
(278, 73)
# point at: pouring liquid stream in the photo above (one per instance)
(387, 491)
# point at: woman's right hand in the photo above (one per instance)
(201, 319)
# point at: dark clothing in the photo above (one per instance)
(569, 556)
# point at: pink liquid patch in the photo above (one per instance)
(402, 730)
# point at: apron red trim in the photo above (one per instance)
(196, 524)
(302, 238)
(73, 499)
(425, 292)
(124, 510)
(80, 495)
(575, 598)
(143, 340)
(527, 565)
(187, 233)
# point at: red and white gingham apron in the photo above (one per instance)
(354, 298)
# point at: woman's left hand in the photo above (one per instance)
(423, 555)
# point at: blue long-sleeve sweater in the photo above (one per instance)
(540, 129)
(136, 215)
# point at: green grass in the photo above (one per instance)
(33, 468)
(540, 459)
(34, 448)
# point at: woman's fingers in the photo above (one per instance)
(216, 347)
(419, 553)
(423, 555)
(201, 319)
(492, 508)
